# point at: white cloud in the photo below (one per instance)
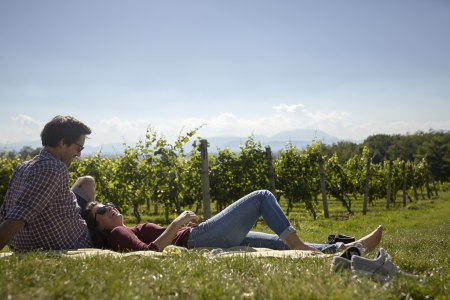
(283, 117)
(225, 124)
(28, 122)
(288, 108)
(299, 112)
(121, 126)
(115, 130)
(327, 117)
(289, 117)
(21, 128)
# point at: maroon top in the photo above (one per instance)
(142, 236)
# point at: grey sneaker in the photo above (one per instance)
(343, 261)
(340, 264)
(381, 268)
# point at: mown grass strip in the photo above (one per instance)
(417, 239)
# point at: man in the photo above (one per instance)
(39, 210)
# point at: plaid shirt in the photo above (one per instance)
(39, 194)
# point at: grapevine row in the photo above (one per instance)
(155, 173)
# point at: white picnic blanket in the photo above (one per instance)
(176, 251)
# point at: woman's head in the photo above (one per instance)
(102, 216)
(101, 219)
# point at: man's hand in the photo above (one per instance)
(8, 229)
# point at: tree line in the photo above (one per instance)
(433, 146)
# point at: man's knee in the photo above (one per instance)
(85, 182)
(86, 185)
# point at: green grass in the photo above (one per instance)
(417, 237)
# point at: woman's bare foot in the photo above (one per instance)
(370, 241)
(295, 243)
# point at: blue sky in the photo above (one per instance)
(349, 68)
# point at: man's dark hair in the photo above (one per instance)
(63, 127)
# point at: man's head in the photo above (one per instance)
(65, 135)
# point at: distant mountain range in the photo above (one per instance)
(300, 138)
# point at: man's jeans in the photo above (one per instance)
(231, 227)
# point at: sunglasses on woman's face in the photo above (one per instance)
(102, 210)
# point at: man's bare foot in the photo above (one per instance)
(370, 241)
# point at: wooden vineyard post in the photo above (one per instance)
(205, 179)
(404, 183)
(427, 185)
(271, 170)
(389, 187)
(366, 187)
(323, 188)
(436, 187)
(416, 196)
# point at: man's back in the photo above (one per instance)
(39, 194)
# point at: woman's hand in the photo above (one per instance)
(169, 234)
(185, 218)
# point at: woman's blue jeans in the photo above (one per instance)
(232, 226)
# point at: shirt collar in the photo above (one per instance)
(47, 154)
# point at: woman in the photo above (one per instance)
(230, 227)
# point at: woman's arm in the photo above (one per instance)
(166, 238)
(123, 238)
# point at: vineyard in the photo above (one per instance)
(155, 174)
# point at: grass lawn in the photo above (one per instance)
(417, 237)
